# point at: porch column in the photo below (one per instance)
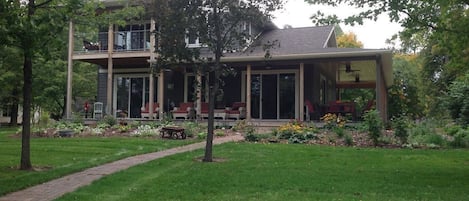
(198, 103)
(379, 89)
(161, 93)
(302, 91)
(248, 92)
(110, 39)
(68, 107)
(151, 96)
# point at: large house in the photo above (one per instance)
(305, 69)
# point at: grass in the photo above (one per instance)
(291, 172)
(57, 157)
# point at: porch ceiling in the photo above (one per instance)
(360, 71)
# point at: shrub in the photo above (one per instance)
(373, 124)
(109, 119)
(461, 139)
(202, 135)
(243, 126)
(191, 128)
(145, 131)
(220, 133)
(339, 131)
(297, 138)
(332, 121)
(348, 140)
(457, 100)
(400, 126)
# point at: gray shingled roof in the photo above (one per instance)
(292, 41)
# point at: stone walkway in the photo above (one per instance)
(58, 187)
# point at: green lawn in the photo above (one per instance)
(291, 172)
(62, 156)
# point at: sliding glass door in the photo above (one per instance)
(131, 94)
(273, 95)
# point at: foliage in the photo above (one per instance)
(255, 137)
(374, 125)
(340, 131)
(457, 100)
(424, 133)
(400, 126)
(109, 120)
(244, 126)
(202, 135)
(404, 94)
(192, 128)
(296, 132)
(348, 140)
(146, 131)
(332, 120)
(348, 40)
(460, 139)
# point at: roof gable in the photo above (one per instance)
(294, 40)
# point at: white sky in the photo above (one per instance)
(372, 34)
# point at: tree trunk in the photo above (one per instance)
(27, 41)
(213, 79)
(25, 163)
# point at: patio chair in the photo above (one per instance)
(217, 113)
(310, 111)
(145, 112)
(98, 110)
(236, 111)
(185, 110)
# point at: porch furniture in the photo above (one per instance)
(87, 45)
(185, 110)
(342, 108)
(173, 132)
(145, 111)
(217, 113)
(311, 112)
(236, 111)
(98, 110)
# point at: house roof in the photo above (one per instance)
(292, 41)
(306, 43)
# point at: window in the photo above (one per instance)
(192, 40)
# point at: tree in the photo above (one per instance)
(348, 40)
(10, 60)
(216, 23)
(33, 27)
(404, 95)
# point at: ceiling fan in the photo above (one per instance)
(348, 68)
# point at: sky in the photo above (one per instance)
(372, 34)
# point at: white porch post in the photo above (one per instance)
(248, 92)
(110, 48)
(151, 96)
(381, 99)
(302, 91)
(199, 93)
(161, 93)
(68, 107)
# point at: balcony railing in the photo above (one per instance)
(124, 41)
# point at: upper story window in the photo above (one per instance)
(192, 40)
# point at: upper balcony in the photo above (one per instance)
(129, 42)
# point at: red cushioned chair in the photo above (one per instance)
(183, 111)
(236, 111)
(145, 112)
